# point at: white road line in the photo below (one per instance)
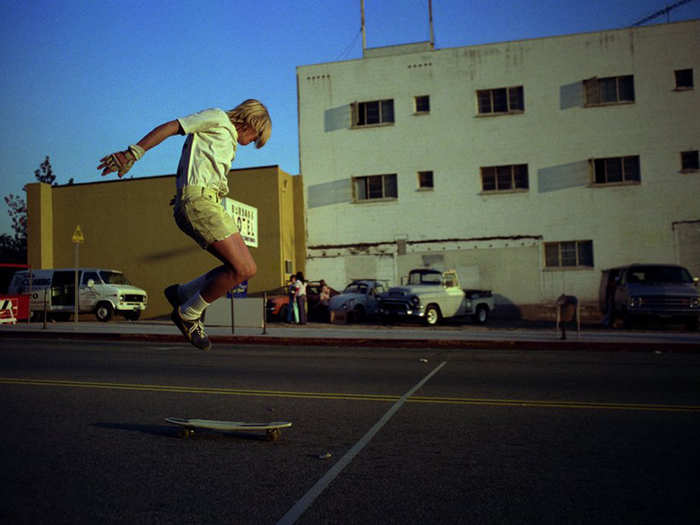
(305, 502)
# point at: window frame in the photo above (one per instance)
(509, 109)
(593, 91)
(421, 185)
(369, 179)
(684, 87)
(513, 188)
(578, 253)
(359, 110)
(416, 110)
(690, 161)
(607, 164)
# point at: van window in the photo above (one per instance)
(90, 275)
(659, 274)
(113, 277)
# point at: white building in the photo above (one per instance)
(527, 166)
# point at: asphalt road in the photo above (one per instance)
(379, 435)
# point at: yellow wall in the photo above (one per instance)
(128, 225)
(39, 226)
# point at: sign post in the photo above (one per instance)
(78, 238)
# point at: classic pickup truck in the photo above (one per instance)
(432, 295)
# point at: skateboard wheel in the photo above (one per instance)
(273, 434)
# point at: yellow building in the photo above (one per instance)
(128, 225)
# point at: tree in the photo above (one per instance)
(45, 173)
(13, 248)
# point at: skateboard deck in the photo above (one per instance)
(272, 429)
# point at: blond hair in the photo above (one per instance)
(253, 113)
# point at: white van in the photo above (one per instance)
(103, 292)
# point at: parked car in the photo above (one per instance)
(432, 295)
(358, 301)
(101, 291)
(278, 303)
(639, 291)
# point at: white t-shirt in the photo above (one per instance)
(208, 151)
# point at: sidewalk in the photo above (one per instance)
(534, 336)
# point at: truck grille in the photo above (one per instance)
(394, 307)
(133, 298)
(666, 303)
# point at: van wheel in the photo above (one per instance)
(103, 312)
(432, 315)
(482, 314)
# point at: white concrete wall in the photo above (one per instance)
(555, 137)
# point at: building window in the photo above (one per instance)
(422, 103)
(684, 79)
(373, 113)
(500, 101)
(374, 187)
(504, 178)
(610, 90)
(569, 254)
(690, 161)
(616, 170)
(425, 180)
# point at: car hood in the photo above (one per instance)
(122, 288)
(659, 289)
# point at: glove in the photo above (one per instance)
(121, 161)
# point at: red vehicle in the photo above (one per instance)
(20, 303)
(278, 303)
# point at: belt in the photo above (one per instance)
(198, 191)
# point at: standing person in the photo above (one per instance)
(301, 297)
(324, 299)
(209, 150)
(292, 311)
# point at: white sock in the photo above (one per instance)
(193, 308)
(188, 290)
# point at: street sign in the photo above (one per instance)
(246, 218)
(78, 237)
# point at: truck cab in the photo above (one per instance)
(432, 295)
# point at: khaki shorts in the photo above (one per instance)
(199, 213)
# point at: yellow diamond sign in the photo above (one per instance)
(78, 237)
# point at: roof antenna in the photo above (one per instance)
(430, 17)
(364, 33)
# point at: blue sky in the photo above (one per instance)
(85, 78)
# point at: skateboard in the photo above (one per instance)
(272, 429)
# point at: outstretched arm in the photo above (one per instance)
(122, 161)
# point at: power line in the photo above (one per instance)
(663, 11)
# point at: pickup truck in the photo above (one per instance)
(432, 295)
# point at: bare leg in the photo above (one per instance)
(238, 266)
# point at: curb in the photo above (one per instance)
(445, 344)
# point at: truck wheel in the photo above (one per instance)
(482, 314)
(103, 312)
(432, 315)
